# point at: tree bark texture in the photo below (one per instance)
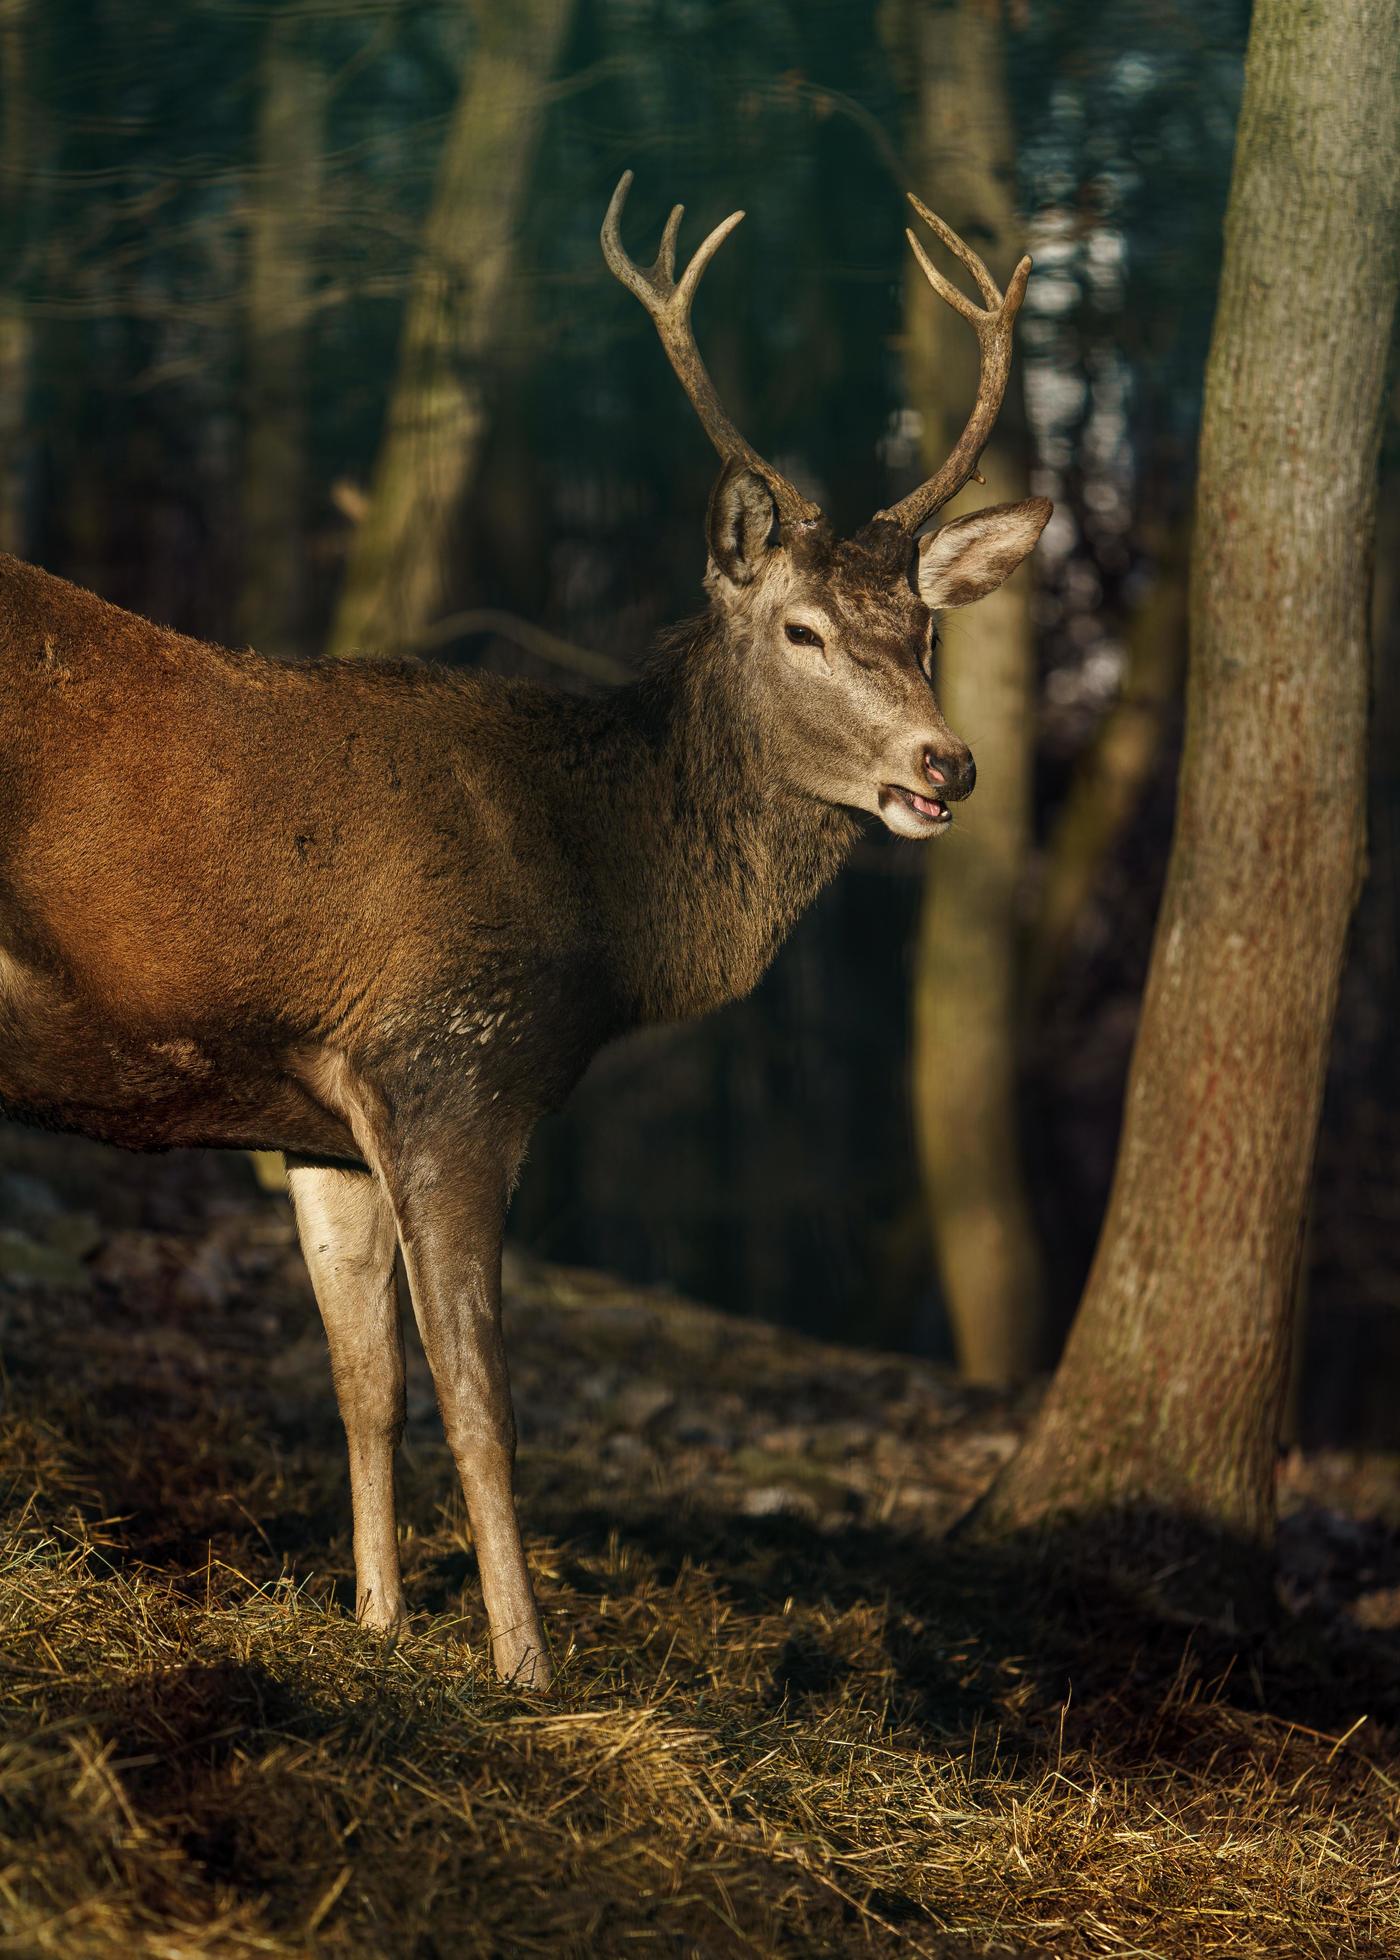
(1170, 1393)
(395, 582)
(966, 976)
(285, 201)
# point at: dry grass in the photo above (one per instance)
(791, 1722)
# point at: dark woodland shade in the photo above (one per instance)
(764, 1161)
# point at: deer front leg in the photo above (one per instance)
(450, 1216)
(348, 1239)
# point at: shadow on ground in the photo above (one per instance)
(792, 1718)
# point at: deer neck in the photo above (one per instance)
(708, 858)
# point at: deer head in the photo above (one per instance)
(837, 634)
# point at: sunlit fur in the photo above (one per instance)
(859, 714)
(382, 914)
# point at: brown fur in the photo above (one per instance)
(380, 916)
(210, 863)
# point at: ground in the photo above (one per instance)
(791, 1719)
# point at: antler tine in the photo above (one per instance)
(665, 266)
(959, 247)
(944, 288)
(669, 301)
(993, 325)
(704, 252)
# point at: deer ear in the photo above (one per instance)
(741, 523)
(972, 556)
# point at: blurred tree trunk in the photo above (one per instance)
(1110, 778)
(1168, 1401)
(965, 986)
(15, 331)
(285, 202)
(395, 582)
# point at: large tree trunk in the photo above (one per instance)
(965, 985)
(1169, 1397)
(395, 581)
(284, 205)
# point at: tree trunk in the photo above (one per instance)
(395, 580)
(286, 198)
(1168, 1401)
(965, 987)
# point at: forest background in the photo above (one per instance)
(306, 341)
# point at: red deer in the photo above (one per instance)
(379, 915)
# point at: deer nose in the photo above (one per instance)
(954, 774)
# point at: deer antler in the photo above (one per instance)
(993, 326)
(669, 302)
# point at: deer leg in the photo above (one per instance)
(347, 1235)
(450, 1223)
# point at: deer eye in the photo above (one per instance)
(930, 648)
(803, 636)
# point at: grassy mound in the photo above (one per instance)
(790, 1720)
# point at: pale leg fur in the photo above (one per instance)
(448, 1201)
(451, 1243)
(348, 1238)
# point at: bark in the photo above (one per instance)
(395, 584)
(1169, 1397)
(15, 331)
(966, 978)
(285, 201)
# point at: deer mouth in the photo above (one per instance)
(909, 814)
